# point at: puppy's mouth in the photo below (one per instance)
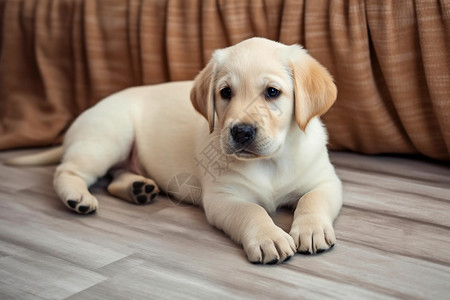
(240, 152)
(246, 154)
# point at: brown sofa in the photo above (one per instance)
(391, 61)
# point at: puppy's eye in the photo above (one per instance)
(225, 93)
(272, 93)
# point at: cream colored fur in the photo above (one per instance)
(159, 128)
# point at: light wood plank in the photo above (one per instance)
(393, 240)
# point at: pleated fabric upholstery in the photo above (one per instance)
(390, 61)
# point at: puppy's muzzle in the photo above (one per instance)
(243, 135)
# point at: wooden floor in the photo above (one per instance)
(393, 242)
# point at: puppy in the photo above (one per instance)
(262, 145)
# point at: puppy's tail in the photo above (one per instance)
(51, 156)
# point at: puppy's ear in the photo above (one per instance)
(202, 93)
(314, 89)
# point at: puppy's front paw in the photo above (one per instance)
(270, 245)
(312, 234)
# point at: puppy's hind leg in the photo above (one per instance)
(132, 187)
(83, 163)
(71, 185)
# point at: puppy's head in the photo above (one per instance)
(257, 89)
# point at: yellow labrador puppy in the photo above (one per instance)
(262, 145)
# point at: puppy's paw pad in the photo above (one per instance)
(72, 203)
(142, 199)
(143, 193)
(137, 187)
(86, 205)
(149, 188)
(83, 209)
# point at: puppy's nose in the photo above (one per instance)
(243, 134)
